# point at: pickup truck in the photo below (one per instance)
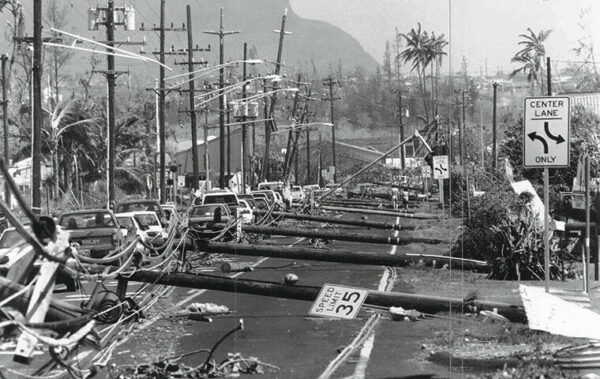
(95, 231)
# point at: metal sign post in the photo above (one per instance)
(546, 145)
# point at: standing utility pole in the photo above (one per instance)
(161, 92)
(110, 108)
(244, 126)
(330, 83)
(5, 123)
(402, 150)
(161, 103)
(111, 75)
(221, 33)
(270, 125)
(36, 151)
(494, 152)
(195, 170)
(307, 111)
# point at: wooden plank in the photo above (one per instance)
(22, 266)
(36, 312)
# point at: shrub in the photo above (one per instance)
(502, 230)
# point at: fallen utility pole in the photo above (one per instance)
(57, 311)
(418, 216)
(360, 206)
(422, 303)
(354, 237)
(382, 156)
(342, 256)
(333, 220)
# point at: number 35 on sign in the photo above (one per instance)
(338, 301)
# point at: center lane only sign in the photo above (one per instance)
(546, 132)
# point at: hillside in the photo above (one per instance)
(323, 44)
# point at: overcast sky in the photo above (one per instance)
(480, 28)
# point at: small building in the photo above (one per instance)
(184, 162)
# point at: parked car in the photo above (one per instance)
(220, 197)
(95, 231)
(200, 215)
(245, 212)
(146, 223)
(171, 210)
(310, 188)
(262, 196)
(339, 191)
(261, 204)
(298, 195)
(273, 186)
(272, 196)
(249, 199)
(142, 205)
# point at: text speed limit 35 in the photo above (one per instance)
(338, 301)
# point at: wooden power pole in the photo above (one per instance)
(329, 82)
(270, 124)
(36, 151)
(5, 122)
(221, 33)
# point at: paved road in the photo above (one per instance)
(280, 332)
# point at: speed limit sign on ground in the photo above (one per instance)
(338, 301)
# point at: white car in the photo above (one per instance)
(298, 195)
(273, 186)
(311, 187)
(145, 223)
(245, 211)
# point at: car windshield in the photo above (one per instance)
(125, 222)
(296, 189)
(86, 220)
(269, 195)
(205, 210)
(146, 220)
(10, 238)
(223, 199)
(136, 207)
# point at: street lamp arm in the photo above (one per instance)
(213, 68)
(240, 84)
(261, 95)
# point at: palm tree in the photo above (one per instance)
(436, 54)
(63, 118)
(531, 56)
(424, 50)
(418, 51)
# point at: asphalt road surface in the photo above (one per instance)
(280, 332)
